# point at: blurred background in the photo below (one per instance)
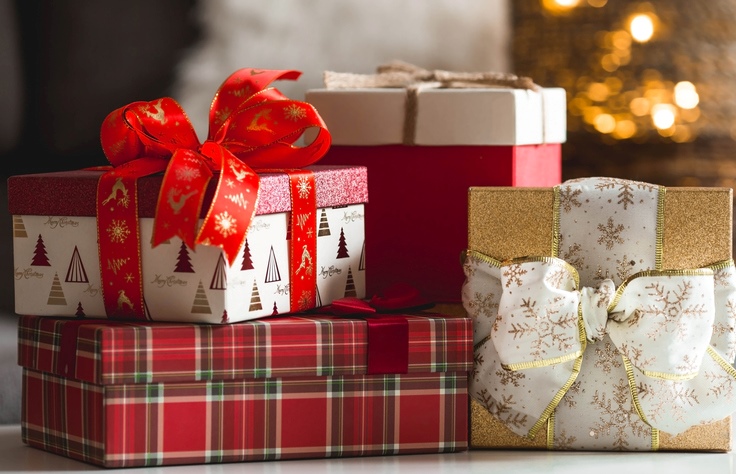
(649, 83)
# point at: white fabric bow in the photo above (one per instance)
(661, 322)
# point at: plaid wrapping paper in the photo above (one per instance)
(303, 417)
(277, 388)
(150, 352)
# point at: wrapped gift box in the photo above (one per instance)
(120, 394)
(57, 265)
(463, 138)
(603, 316)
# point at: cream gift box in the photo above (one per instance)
(603, 316)
(424, 143)
(57, 264)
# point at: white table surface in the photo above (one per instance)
(17, 457)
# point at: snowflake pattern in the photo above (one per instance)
(669, 402)
(671, 310)
(722, 384)
(610, 234)
(510, 377)
(303, 187)
(483, 305)
(569, 398)
(618, 416)
(306, 300)
(552, 329)
(118, 231)
(608, 357)
(187, 173)
(225, 224)
(478, 361)
(625, 188)
(572, 254)
(514, 274)
(294, 112)
(502, 410)
(222, 114)
(563, 442)
(569, 198)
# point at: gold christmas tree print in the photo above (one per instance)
(219, 278)
(19, 229)
(255, 299)
(56, 294)
(350, 284)
(272, 269)
(324, 225)
(76, 273)
(201, 304)
(342, 248)
(40, 259)
(183, 261)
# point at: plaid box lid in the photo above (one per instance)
(104, 352)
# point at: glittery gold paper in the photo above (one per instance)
(507, 222)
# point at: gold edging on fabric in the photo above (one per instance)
(551, 432)
(730, 370)
(723, 264)
(556, 222)
(655, 439)
(542, 363)
(482, 257)
(666, 376)
(544, 418)
(632, 388)
(660, 229)
(707, 271)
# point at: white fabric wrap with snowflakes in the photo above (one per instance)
(602, 339)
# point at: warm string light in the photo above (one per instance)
(617, 105)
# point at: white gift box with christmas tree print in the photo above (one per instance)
(56, 257)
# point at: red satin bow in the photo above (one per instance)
(251, 127)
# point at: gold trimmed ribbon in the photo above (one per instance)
(400, 74)
(661, 321)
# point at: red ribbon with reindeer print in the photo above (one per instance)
(251, 127)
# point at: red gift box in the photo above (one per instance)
(417, 225)
(124, 394)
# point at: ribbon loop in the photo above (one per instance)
(661, 323)
(252, 127)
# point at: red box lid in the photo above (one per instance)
(73, 193)
(104, 352)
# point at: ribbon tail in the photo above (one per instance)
(180, 201)
(233, 206)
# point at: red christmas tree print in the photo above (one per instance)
(342, 248)
(39, 254)
(224, 319)
(80, 311)
(247, 261)
(183, 262)
(275, 309)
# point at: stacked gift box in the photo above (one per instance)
(268, 312)
(197, 303)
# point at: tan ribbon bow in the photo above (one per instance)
(400, 74)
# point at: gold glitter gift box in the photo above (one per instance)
(618, 231)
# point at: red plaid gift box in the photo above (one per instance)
(134, 394)
(58, 263)
(421, 164)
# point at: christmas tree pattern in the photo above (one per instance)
(224, 319)
(183, 261)
(76, 273)
(56, 294)
(361, 265)
(19, 229)
(219, 278)
(350, 284)
(319, 297)
(39, 254)
(275, 309)
(247, 261)
(201, 304)
(272, 269)
(324, 225)
(342, 248)
(80, 311)
(255, 299)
